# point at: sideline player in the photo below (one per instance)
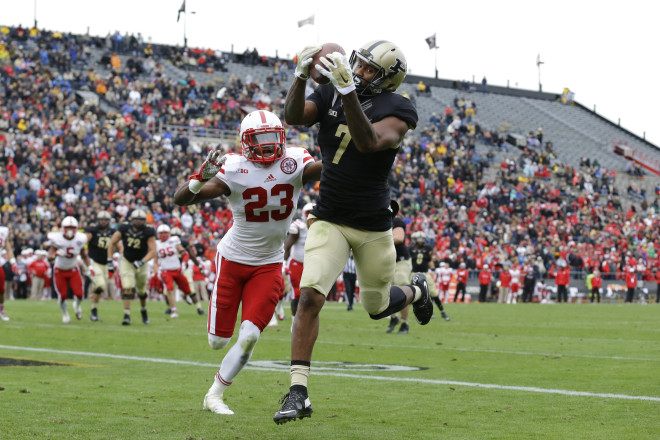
(170, 270)
(98, 238)
(5, 244)
(139, 243)
(294, 255)
(403, 273)
(262, 185)
(65, 247)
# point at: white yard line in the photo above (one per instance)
(340, 374)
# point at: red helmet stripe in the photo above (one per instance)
(263, 117)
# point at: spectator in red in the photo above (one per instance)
(505, 283)
(39, 269)
(657, 289)
(12, 169)
(631, 283)
(596, 282)
(484, 281)
(461, 282)
(562, 279)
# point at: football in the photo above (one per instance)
(325, 49)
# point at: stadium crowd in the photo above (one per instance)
(64, 155)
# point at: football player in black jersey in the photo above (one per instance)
(362, 123)
(98, 239)
(139, 243)
(402, 274)
(421, 253)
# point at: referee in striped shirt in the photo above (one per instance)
(349, 281)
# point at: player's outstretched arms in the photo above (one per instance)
(203, 185)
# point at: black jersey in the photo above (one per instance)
(135, 242)
(402, 252)
(421, 257)
(354, 189)
(97, 248)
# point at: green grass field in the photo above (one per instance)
(525, 371)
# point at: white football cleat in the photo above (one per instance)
(77, 308)
(3, 316)
(66, 319)
(273, 321)
(214, 403)
(174, 314)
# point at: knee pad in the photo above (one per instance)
(248, 335)
(127, 294)
(218, 342)
(142, 295)
(98, 290)
(397, 302)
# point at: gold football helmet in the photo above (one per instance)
(389, 62)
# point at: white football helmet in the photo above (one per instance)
(262, 137)
(163, 232)
(306, 209)
(69, 227)
(176, 231)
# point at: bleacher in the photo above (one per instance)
(574, 130)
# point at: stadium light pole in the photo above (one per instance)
(35, 14)
(185, 18)
(538, 64)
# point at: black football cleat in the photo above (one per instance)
(393, 322)
(403, 330)
(295, 405)
(145, 317)
(423, 307)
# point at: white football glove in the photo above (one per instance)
(338, 71)
(304, 60)
(209, 168)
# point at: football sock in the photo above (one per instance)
(300, 373)
(63, 306)
(438, 303)
(219, 384)
(127, 312)
(240, 353)
(418, 292)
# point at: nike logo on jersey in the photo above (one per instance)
(270, 178)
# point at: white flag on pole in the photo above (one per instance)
(308, 20)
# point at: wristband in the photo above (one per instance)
(301, 76)
(195, 186)
(347, 90)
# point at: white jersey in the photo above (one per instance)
(168, 255)
(263, 202)
(444, 274)
(298, 248)
(4, 236)
(67, 250)
(515, 276)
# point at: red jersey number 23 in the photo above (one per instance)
(254, 211)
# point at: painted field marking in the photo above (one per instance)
(274, 368)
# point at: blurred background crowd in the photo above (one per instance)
(64, 153)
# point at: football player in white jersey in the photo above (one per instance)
(294, 255)
(170, 271)
(65, 247)
(5, 244)
(262, 185)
